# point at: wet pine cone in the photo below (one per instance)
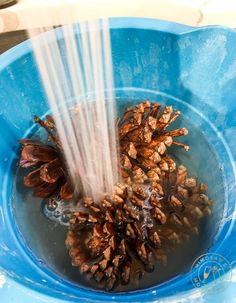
(48, 175)
(144, 140)
(118, 239)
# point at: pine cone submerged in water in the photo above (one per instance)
(144, 141)
(116, 240)
(48, 175)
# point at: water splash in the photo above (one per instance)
(72, 65)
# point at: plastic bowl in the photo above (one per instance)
(193, 69)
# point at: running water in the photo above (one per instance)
(79, 68)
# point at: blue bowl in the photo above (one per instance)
(194, 69)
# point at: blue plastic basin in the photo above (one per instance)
(194, 69)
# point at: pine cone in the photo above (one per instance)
(117, 239)
(144, 141)
(49, 175)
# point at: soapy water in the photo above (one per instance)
(44, 226)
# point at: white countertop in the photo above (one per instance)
(33, 13)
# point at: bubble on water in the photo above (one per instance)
(65, 217)
(51, 204)
(57, 214)
(59, 211)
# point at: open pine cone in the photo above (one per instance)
(49, 175)
(144, 141)
(117, 239)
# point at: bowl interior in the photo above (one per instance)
(192, 72)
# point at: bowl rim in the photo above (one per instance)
(178, 29)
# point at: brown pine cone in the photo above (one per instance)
(49, 175)
(135, 228)
(144, 141)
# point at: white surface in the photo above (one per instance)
(36, 13)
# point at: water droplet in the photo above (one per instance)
(42, 263)
(154, 292)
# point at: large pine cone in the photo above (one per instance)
(144, 141)
(115, 240)
(49, 175)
